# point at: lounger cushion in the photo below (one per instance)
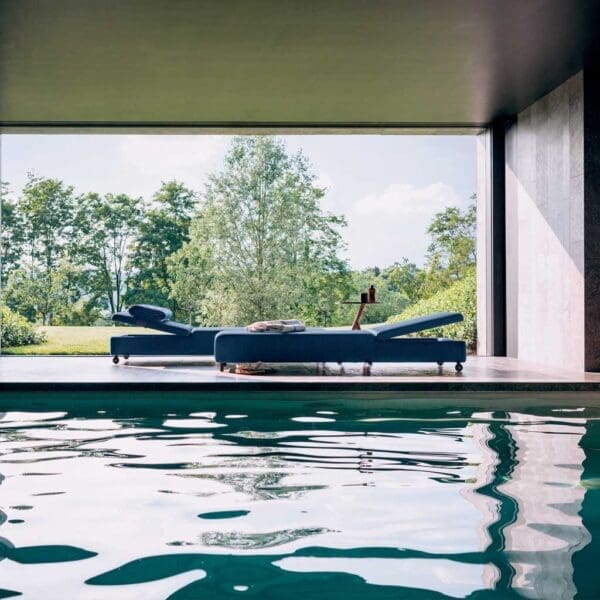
(148, 312)
(418, 324)
(313, 345)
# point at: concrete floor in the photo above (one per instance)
(93, 372)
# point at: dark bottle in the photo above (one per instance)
(371, 294)
(364, 297)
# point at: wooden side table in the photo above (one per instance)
(359, 313)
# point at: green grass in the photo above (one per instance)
(83, 340)
(74, 340)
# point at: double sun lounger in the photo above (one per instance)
(237, 345)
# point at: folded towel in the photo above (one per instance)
(257, 368)
(279, 326)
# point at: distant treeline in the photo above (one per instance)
(253, 244)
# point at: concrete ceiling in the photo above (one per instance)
(221, 62)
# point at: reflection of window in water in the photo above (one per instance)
(529, 495)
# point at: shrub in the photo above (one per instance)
(17, 331)
(459, 297)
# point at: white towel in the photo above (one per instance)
(278, 326)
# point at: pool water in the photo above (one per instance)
(300, 497)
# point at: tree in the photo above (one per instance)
(38, 241)
(48, 296)
(106, 227)
(452, 249)
(191, 274)
(406, 278)
(270, 251)
(46, 209)
(163, 229)
(452, 234)
(11, 235)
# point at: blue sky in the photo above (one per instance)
(388, 186)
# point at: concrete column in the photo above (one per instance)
(591, 221)
(545, 233)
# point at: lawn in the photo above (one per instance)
(81, 340)
(74, 340)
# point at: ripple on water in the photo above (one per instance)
(239, 540)
(224, 514)
(286, 501)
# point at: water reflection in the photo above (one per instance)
(301, 501)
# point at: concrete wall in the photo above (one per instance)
(545, 230)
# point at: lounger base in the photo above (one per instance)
(163, 345)
(334, 346)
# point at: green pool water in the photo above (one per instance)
(296, 496)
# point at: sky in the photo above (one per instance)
(387, 186)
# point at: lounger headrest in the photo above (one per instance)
(148, 312)
(153, 317)
(418, 324)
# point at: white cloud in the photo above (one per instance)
(187, 158)
(384, 227)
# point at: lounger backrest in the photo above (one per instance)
(152, 317)
(167, 326)
(418, 324)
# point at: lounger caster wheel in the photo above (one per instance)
(458, 367)
(115, 360)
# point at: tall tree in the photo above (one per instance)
(163, 229)
(272, 252)
(46, 207)
(106, 228)
(452, 249)
(11, 235)
(191, 276)
(42, 224)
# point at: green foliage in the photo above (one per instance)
(461, 296)
(452, 248)
(46, 211)
(37, 238)
(391, 300)
(11, 235)
(255, 245)
(162, 230)
(17, 331)
(38, 294)
(268, 249)
(191, 272)
(406, 278)
(106, 226)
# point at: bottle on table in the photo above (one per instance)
(372, 294)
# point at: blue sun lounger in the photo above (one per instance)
(379, 344)
(183, 340)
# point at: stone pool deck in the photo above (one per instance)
(98, 373)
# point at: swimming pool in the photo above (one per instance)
(298, 496)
